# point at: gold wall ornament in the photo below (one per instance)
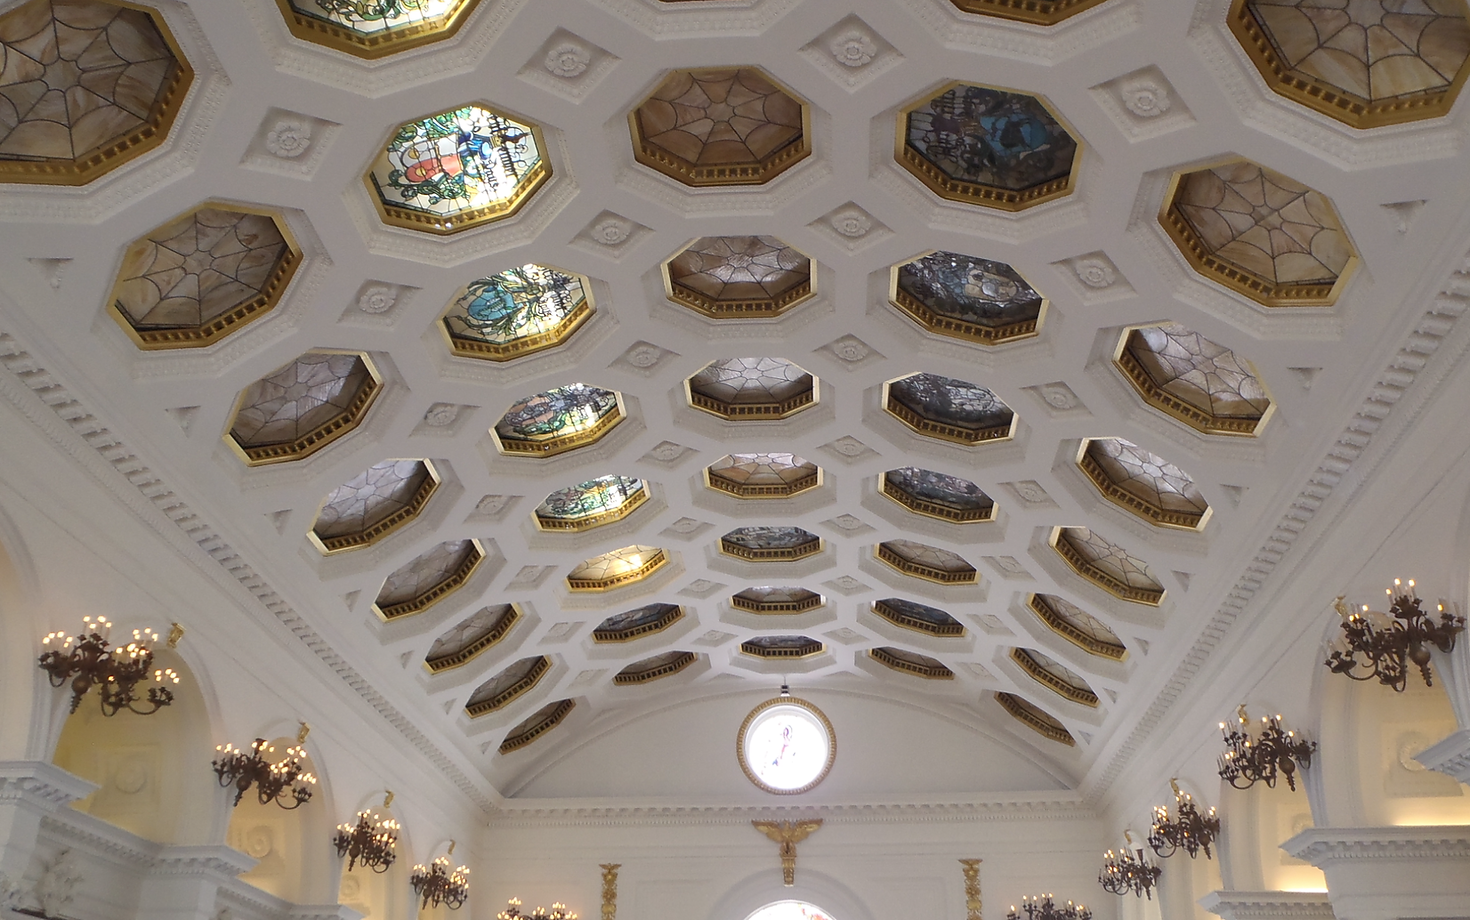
(610, 890)
(788, 834)
(971, 871)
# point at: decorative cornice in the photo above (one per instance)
(1319, 845)
(1268, 905)
(216, 860)
(1450, 756)
(28, 371)
(41, 785)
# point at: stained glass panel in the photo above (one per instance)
(539, 723)
(776, 599)
(615, 568)
(1144, 483)
(1078, 626)
(1179, 370)
(938, 494)
(1055, 676)
(302, 407)
(1108, 565)
(663, 664)
(374, 28)
(739, 276)
(373, 504)
(1035, 718)
(469, 637)
(901, 659)
(929, 562)
(639, 621)
(597, 501)
(559, 419)
(1036, 12)
(516, 312)
(770, 542)
(766, 475)
(951, 409)
(781, 646)
(428, 578)
(752, 387)
(967, 297)
(922, 617)
(510, 683)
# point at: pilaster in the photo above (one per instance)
(30, 790)
(1391, 873)
(184, 882)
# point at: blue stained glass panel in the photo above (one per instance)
(514, 304)
(377, 17)
(557, 413)
(991, 137)
(596, 496)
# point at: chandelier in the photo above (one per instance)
(1261, 758)
(1190, 832)
(285, 782)
(371, 843)
(1122, 873)
(1042, 908)
(437, 884)
(1385, 652)
(90, 660)
(513, 912)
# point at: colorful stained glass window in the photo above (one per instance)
(374, 28)
(967, 297)
(1108, 565)
(739, 276)
(1144, 483)
(457, 169)
(516, 312)
(558, 419)
(954, 410)
(303, 407)
(597, 501)
(938, 494)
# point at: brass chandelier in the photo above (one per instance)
(1264, 757)
(371, 843)
(285, 782)
(1386, 651)
(1043, 908)
(1190, 832)
(437, 884)
(90, 660)
(513, 912)
(1123, 873)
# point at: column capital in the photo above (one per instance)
(41, 785)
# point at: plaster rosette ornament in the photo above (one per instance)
(1260, 234)
(906, 662)
(1035, 718)
(1143, 483)
(731, 126)
(1054, 676)
(558, 420)
(202, 276)
(772, 475)
(85, 86)
(738, 389)
(513, 682)
(1185, 375)
(537, 724)
(591, 504)
(918, 617)
(617, 568)
(927, 562)
(1107, 565)
(991, 147)
(948, 409)
(638, 622)
(1366, 64)
(457, 169)
(373, 505)
(776, 600)
(782, 647)
(937, 495)
(1077, 626)
(517, 312)
(428, 578)
(468, 638)
(1035, 12)
(296, 411)
(375, 28)
(770, 544)
(967, 298)
(738, 276)
(664, 664)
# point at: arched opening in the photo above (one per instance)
(151, 771)
(295, 859)
(790, 910)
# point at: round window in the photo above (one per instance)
(786, 746)
(790, 910)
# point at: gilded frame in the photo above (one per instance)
(318, 437)
(1179, 410)
(817, 714)
(949, 327)
(331, 546)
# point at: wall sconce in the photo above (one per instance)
(371, 843)
(1385, 652)
(1122, 873)
(437, 884)
(1042, 908)
(1190, 832)
(272, 781)
(1263, 757)
(90, 660)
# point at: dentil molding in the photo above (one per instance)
(40, 785)
(1268, 905)
(1451, 756)
(1322, 846)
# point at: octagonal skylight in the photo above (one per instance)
(937, 495)
(373, 504)
(1183, 374)
(517, 312)
(949, 409)
(782, 647)
(927, 562)
(776, 599)
(664, 664)
(770, 543)
(907, 662)
(991, 147)
(735, 276)
(297, 410)
(730, 126)
(536, 725)
(918, 617)
(428, 578)
(1035, 12)
(616, 568)
(1077, 626)
(1035, 718)
(1143, 483)
(512, 682)
(591, 504)
(966, 297)
(1107, 565)
(558, 420)
(1054, 676)
(751, 388)
(457, 169)
(375, 28)
(462, 643)
(766, 475)
(640, 621)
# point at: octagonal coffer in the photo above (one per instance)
(85, 86)
(513, 682)
(457, 169)
(937, 495)
(907, 662)
(739, 389)
(1259, 233)
(1185, 375)
(782, 600)
(1036, 12)
(299, 409)
(726, 277)
(1366, 64)
(1077, 626)
(374, 504)
(1107, 565)
(616, 568)
(558, 420)
(591, 504)
(992, 147)
(770, 475)
(517, 312)
(203, 275)
(967, 298)
(1143, 483)
(927, 562)
(949, 409)
(779, 647)
(428, 578)
(664, 664)
(1055, 676)
(1035, 718)
(536, 725)
(770, 543)
(375, 28)
(731, 126)
(638, 622)
(918, 617)
(470, 637)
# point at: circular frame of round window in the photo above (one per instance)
(786, 746)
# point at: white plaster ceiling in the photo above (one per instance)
(63, 247)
